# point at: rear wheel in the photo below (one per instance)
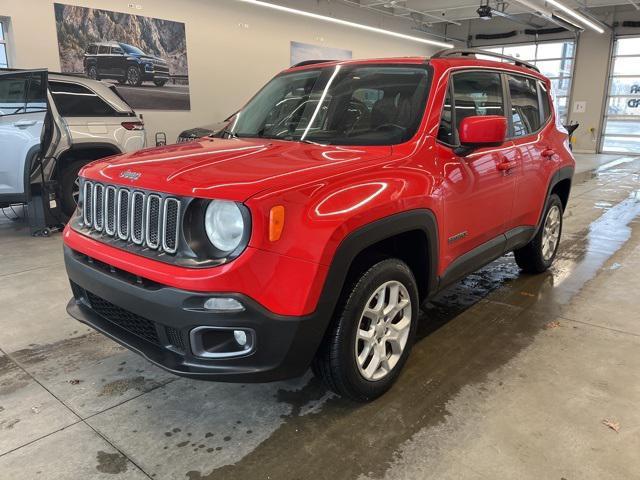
(538, 255)
(370, 340)
(70, 187)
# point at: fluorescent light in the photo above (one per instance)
(576, 15)
(348, 24)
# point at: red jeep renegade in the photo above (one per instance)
(310, 231)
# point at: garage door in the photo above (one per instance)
(622, 115)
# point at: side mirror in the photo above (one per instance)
(481, 131)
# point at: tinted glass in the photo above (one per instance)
(13, 95)
(525, 108)
(445, 132)
(92, 50)
(477, 93)
(116, 51)
(73, 100)
(546, 101)
(103, 49)
(37, 93)
(342, 105)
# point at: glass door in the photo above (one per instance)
(621, 132)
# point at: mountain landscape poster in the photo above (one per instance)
(301, 52)
(144, 57)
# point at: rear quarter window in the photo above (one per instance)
(74, 100)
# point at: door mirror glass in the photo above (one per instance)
(483, 130)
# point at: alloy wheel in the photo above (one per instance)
(551, 232)
(133, 76)
(75, 191)
(383, 330)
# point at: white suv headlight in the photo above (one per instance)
(224, 224)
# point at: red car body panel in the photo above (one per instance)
(330, 191)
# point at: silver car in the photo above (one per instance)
(87, 120)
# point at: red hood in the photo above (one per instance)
(234, 169)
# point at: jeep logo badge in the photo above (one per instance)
(130, 175)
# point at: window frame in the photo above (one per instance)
(3, 41)
(29, 74)
(506, 101)
(543, 121)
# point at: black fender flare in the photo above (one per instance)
(423, 220)
(32, 154)
(78, 148)
(563, 173)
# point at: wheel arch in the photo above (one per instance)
(85, 151)
(411, 236)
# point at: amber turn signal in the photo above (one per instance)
(276, 222)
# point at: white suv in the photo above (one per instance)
(88, 120)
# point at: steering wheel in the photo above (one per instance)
(390, 126)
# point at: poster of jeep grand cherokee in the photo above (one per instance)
(145, 58)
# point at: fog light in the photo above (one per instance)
(223, 304)
(241, 337)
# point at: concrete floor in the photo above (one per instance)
(512, 377)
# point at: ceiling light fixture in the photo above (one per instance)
(347, 23)
(576, 15)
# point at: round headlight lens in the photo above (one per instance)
(224, 225)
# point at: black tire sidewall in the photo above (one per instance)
(380, 273)
(67, 179)
(135, 84)
(553, 200)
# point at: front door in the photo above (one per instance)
(23, 106)
(478, 190)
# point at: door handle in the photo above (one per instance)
(505, 165)
(548, 152)
(24, 123)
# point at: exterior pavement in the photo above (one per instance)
(513, 376)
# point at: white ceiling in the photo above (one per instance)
(432, 12)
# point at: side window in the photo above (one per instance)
(73, 100)
(37, 93)
(92, 50)
(445, 132)
(103, 49)
(525, 108)
(476, 93)
(116, 51)
(13, 94)
(545, 102)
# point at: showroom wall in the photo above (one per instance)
(233, 48)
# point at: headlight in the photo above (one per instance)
(224, 225)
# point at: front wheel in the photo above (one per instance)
(134, 77)
(70, 187)
(370, 340)
(538, 255)
(92, 72)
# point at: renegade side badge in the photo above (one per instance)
(457, 236)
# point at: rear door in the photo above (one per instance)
(104, 60)
(23, 107)
(529, 119)
(478, 190)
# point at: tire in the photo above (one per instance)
(159, 83)
(538, 255)
(68, 186)
(336, 362)
(92, 72)
(134, 76)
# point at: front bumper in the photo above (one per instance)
(155, 321)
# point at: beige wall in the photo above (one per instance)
(589, 85)
(233, 48)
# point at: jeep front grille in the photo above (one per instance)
(145, 219)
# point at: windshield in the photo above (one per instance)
(131, 49)
(352, 105)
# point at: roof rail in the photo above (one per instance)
(310, 62)
(464, 52)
